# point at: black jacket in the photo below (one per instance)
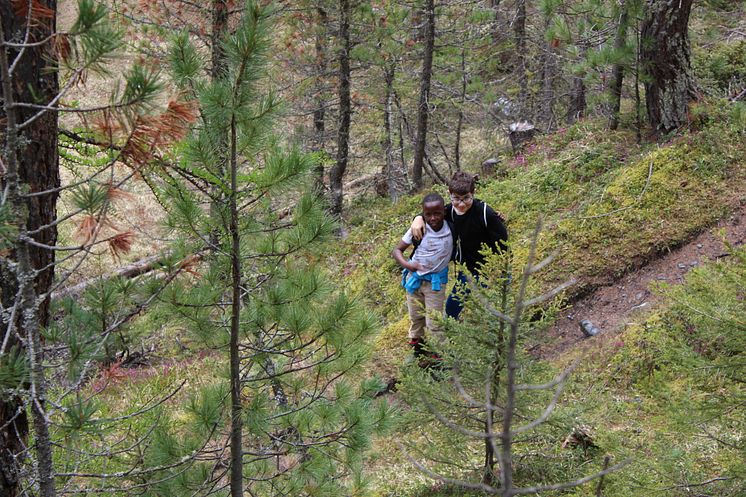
(480, 225)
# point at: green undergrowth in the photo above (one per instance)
(608, 206)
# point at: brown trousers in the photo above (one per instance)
(424, 306)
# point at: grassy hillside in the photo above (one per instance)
(665, 392)
(647, 393)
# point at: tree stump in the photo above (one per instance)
(381, 185)
(520, 133)
(490, 166)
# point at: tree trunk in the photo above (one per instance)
(395, 173)
(460, 122)
(424, 103)
(519, 31)
(219, 27)
(236, 436)
(577, 105)
(345, 110)
(31, 163)
(617, 71)
(546, 116)
(497, 36)
(520, 133)
(665, 53)
(319, 112)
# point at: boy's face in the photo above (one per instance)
(434, 213)
(461, 200)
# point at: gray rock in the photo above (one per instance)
(681, 265)
(589, 328)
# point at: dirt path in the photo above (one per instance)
(614, 306)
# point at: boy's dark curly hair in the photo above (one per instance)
(433, 197)
(462, 183)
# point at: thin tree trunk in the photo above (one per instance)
(617, 71)
(319, 112)
(547, 90)
(424, 102)
(401, 123)
(38, 397)
(345, 110)
(31, 165)
(519, 30)
(460, 122)
(488, 472)
(665, 55)
(638, 104)
(576, 107)
(395, 173)
(388, 148)
(506, 435)
(217, 71)
(236, 436)
(497, 36)
(219, 27)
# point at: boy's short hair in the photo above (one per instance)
(462, 183)
(433, 197)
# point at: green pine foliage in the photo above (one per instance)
(307, 417)
(92, 40)
(14, 371)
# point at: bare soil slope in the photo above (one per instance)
(614, 306)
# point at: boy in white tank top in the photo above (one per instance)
(426, 273)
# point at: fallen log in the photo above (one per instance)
(138, 268)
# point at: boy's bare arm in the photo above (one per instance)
(398, 255)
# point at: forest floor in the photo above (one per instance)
(614, 306)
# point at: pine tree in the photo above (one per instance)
(283, 415)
